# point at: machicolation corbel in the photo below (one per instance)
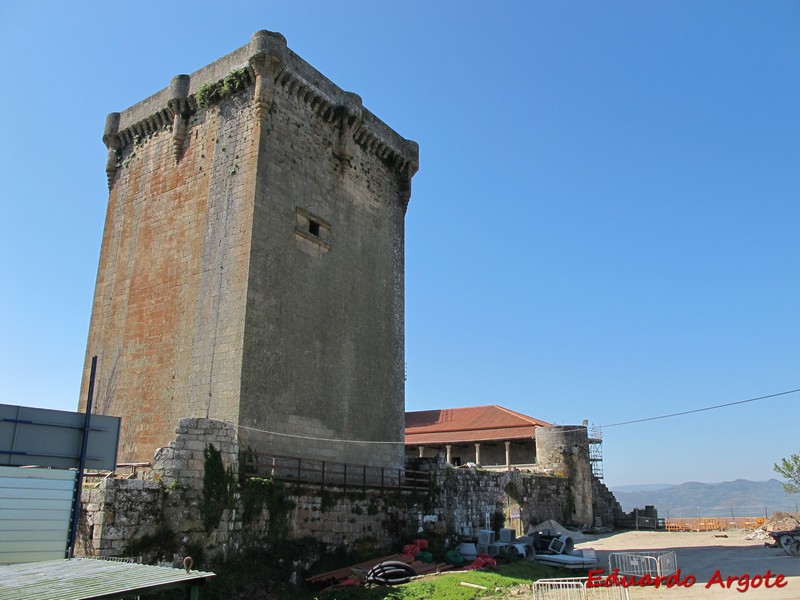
(348, 116)
(181, 109)
(267, 52)
(113, 143)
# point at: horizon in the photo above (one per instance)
(603, 225)
(693, 499)
(692, 481)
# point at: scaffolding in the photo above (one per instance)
(596, 451)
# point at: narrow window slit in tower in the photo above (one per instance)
(312, 232)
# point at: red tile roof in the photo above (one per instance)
(473, 424)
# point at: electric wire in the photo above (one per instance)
(697, 410)
(677, 414)
(317, 439)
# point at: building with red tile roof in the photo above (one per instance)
(486, 435)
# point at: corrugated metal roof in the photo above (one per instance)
(87, 578)
(471, 424)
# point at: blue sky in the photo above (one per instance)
(604, 225)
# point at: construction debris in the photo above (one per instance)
(779, 521)
(782, 521)
(474, 586)
(355, 573)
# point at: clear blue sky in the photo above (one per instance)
(604, 225)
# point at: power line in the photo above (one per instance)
(317, 439)
(697, 410)
(686, 412)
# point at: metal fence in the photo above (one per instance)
(575, 588)
(713, 523)
(638, 564)
(300, 470)
(334, 474)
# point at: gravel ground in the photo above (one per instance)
(708, 557)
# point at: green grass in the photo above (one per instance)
(263, 575)
(447, 586)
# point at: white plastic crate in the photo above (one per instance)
(575, 588)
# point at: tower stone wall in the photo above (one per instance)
(564, 450)
(251, 267)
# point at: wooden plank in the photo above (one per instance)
(426, 568)
(345, 572)
(421, 568)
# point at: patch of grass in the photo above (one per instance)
(262, 574)
(234, 82)
(447, 586)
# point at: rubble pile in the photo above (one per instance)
(779, 521)
(782, 521)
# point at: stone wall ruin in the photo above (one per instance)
(167, 511)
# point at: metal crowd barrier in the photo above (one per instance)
(575, 588)
(638, 564)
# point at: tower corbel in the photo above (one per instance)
(267, 52)
(409, 167)
(178, 105)
(113, 143)
(349, 116)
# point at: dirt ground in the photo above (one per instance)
(701, 555)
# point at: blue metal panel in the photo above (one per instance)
(53, 438)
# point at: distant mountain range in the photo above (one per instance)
(645, 487)
(740, 498)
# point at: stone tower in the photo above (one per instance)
(252, 263)
(564, 449)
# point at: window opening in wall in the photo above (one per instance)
(314, 229)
